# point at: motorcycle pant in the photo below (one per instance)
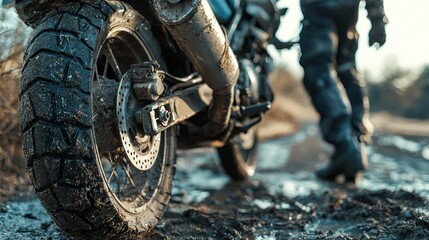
(329, 42)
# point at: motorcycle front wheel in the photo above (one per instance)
(238, 156)
(69, 124)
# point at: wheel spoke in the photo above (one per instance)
(110, 58)
(106, 65)
(128, 174)
(111, 174)
(118, 182)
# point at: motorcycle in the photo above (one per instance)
(108, 96)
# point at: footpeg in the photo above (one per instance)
(255, 110)
(280, 45)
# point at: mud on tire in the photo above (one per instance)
(60, 116)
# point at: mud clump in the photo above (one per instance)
(381, 214)
(338, 213)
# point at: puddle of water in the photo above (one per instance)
(423, 211)
(198, 183)
(312, 227)
(283, 206)
(390, 173)
(425, 152)
(400, 143)
(387, 163)
(291, 185)
(266, 237)
(194, 196)
(207, 180)
(339, 228)
(263, 204)
(270, 157)
(196, 157)
(418, 186)
(297, 188)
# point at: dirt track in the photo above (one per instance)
(283, 200)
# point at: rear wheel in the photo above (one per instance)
(70, 127)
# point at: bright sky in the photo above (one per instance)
(407, 36)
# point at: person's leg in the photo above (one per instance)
(317, 51)
(349, 76)
(356, 92)
(318, 47)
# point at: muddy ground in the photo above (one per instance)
(283, 200)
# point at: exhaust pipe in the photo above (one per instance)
(197, 32)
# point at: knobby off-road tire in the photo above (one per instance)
(238, 156)
(68, 122)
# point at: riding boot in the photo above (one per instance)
(349, 159)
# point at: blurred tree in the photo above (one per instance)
(417, 96)
(401, 92)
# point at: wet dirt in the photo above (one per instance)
(284, 200)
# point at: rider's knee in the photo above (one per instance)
(318, 78)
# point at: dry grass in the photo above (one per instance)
(13, 175)
(11, 157)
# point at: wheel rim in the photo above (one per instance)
(131, 187)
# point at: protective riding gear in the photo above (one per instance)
(359, 102)
(377, 34)
(375, 10)
(329, 42)
(329, 38)
(334, 117)
(349, 159)
(378, 19)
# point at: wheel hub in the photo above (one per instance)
(142, 150)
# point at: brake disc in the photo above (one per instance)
(142, 150)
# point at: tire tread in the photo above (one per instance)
(55, 141)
